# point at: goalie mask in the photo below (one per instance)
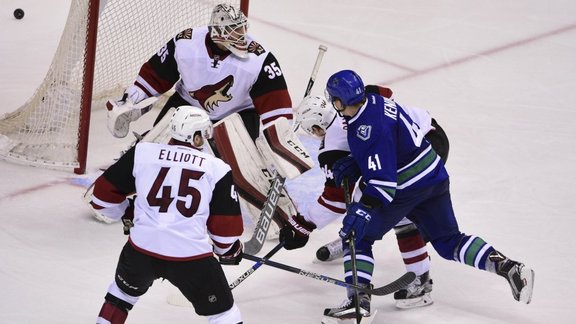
(187, 121)
(314, 111)
(228, 28)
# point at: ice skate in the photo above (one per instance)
(416, 294)
(346, 312)
(520, 277)
(330, 251)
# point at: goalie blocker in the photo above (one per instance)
(253, 164)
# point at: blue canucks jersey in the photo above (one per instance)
(391, 150)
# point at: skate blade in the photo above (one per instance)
(365, 320)
(527, 275)
(422, 301)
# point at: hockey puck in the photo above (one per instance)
(323, 253)
(18, 13)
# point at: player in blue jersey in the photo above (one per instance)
(401, 176)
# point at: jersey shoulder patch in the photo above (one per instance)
(256, 48)
(363, 132)
(185, 34)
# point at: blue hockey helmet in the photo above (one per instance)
(347, 86)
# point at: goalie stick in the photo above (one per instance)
(255, 243)
(387, 289)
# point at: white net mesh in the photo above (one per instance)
(44, 131)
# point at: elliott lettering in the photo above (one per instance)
(174, 156)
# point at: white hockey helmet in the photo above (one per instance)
(187, 120)
(314, 111)
(228, 27)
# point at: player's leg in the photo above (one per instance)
(132, 279)
(383, 220)
(204, 284)
(415, 256)
(435, 217)
(365, 268)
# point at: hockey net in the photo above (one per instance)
(51, 128)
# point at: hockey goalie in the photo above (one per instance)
(241, 86)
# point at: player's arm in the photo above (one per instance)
(225, 221)
(330, 205)
(156, 76)
(160, 72)
(112, 188)
(270, 93)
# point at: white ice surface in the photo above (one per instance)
(500, 76)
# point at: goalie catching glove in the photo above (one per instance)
(233, 256)
(121, 113)
(296, 233)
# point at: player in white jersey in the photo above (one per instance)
(223, 70)
(185, 211)
(317, 118)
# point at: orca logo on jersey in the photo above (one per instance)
(363, 132)
(209, 96)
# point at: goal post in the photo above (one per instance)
(101, 49)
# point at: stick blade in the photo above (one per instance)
(395, 285)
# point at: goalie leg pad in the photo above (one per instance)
(283, 150)
(251, 175)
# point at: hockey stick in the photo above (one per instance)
(256, 265)
(352, 246)
(255, 243)
(390, 288)
(177, 299)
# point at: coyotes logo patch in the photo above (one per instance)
(256, 48)
(185, 34)
(209, 96)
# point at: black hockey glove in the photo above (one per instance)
(296, 233)
(128, 217)
(233, 256)
(346, 167)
